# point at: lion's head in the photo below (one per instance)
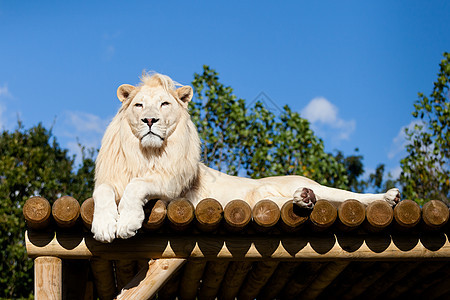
(151, 135)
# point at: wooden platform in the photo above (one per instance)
(265, 253)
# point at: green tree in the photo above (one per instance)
(32, 163)
(253, 141)
(425, 169)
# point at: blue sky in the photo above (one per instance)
(353, 68)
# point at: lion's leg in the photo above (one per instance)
(105, 213)
(131, 207)
(306, 196)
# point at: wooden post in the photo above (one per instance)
(323, 215)
(149, 280)
(87, 212)
(104, 280)
(237, 214)
(212, 278)
(155, 214)
(277, 282)
(351, 214)
(47, 278)
(407, 214)
(379, 215)
(235, 276)
(256, 279)
(435, 214)
(66, 211)
(209, 213)
(190, 280)
(299, 282)
(180, 213)
(293, 216)
(125, 270)
(37, 211)
(266, 214)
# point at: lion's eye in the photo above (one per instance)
(165, 103)
(138, 105)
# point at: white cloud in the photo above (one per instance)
(399, 142)
(325, 120)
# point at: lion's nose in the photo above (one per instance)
(150, 121)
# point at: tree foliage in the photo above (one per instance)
(425, 169)
(32, 163)
(253, 141)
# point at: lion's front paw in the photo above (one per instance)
(305, 197)
(129, 223)
(104, 226)
(392, 196)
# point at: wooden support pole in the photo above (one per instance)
(170, 289)
(435, 214)
(212, 278)
(235, 276)
(237, 214)
(266, 214)
(326, 276)
(155, 214)
(323, 215)
(209, 214)
(301, 280)
(293, 216)
(256, 279)
(47, 278)
(65, 211)
(104, 280)
(190, 280)
(180, 213)
(379, 215)
(351, 214)
(37, 211)
(149, 280)
(407, 214)
(87, 212)
(277, 282)
(125, 269)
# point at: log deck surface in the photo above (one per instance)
(353, 251)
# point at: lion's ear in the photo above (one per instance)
(124, 91)
(185, 93)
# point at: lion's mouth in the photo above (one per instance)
(151, 132)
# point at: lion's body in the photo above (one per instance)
(151, 149)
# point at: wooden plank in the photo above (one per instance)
(149, 280)
(47, 278)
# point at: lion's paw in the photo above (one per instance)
(104, 226)
(129, 223)
(305, 197)
(392, 196)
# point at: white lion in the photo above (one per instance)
(151, 149)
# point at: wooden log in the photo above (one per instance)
(438, 286)
(47, 278)
(293, 216)
(323, 279)
(180, 213)
(379, 215)
(74, 278)
(190, 280)
(256, 279)
(87, 212)
(125, 269)
(65, 211)
(266, 214)
(277, 282)
(234, 277)
(209, 214)
(155, 213)
(307, 272)
(103, 272)
(351, 214)
(170, 289)
(37, 211)
(237, 214)
(407, 214)
(435, 214)
(149, 280)
(212, 278)
(323, 215)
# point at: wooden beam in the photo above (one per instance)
(279, 247)
(65, 211)
(150, 279)
(47, 278)
(37, 211)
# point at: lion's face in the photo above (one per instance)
(153, 113)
